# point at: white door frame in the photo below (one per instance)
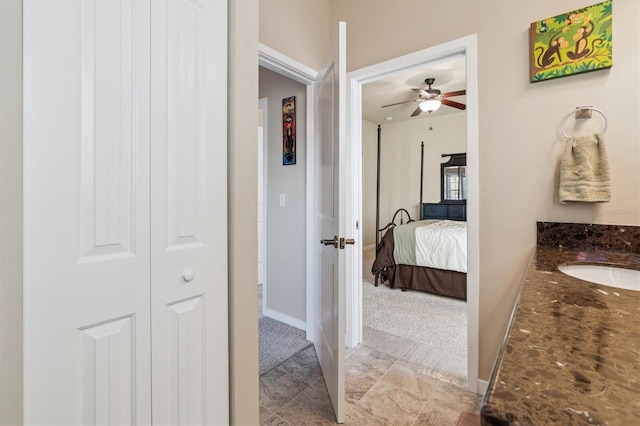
(263, 106)
(357, 78)
(283, 65)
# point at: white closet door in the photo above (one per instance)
(86, 212)
(189, 213)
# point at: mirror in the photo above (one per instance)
(453, 185)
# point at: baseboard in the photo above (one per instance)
(369, 247)
(482, 386)
(279, 316)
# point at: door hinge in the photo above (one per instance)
(357, 225)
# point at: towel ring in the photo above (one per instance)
(606, 121)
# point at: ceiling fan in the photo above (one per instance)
(431, 99)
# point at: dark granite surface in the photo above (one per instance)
(586, 236)
(572, 352)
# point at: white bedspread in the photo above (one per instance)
(442, 245)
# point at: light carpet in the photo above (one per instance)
(420, 327)
(278, 342)
(366, 271)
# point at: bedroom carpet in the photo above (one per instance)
(277, 342)
(366, 271)
(426, 329)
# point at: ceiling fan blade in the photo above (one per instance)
(398, 103)
(421, 92)
(454, 104)
(456, 93)
(416, 112)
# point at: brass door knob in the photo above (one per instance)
(344, 241)
(333, 242)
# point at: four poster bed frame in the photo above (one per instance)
(443, 282)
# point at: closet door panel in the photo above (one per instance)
(107, 366)
(189, 223)
(186, 331)
(185, 114)
(107, 129)
(86, 212)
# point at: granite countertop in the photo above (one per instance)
(572, 352)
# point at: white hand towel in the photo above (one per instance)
(584, 170)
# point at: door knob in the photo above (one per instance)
(344, 241)
(333, 242)
(188, 276)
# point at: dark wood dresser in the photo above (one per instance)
(451, 210)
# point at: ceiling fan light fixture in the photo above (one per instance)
(430, 105)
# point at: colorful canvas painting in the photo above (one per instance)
(289, 131)
(572, 43)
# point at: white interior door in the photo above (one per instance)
(189, 212)
(86, 213)
(329, 289)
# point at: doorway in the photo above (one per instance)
(426, 325)
(284, 291)
(280, 64)
(356, 80)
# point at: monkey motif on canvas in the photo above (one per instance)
(572, 43)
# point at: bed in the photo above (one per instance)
(418, 255)
(427, 255)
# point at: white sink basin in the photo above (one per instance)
(604, 274)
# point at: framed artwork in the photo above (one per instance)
(574, 42)
(289, 131)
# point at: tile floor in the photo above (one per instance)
(381, 389)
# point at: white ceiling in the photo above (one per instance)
(449, 74)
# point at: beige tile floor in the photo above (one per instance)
(381, 389)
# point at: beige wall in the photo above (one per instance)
(243, 211)
(11, 212)
(519, 123)
(285, 292)
(296, 28)
(400, 165)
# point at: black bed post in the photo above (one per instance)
(378, 192)
(421, 177)
(378, 202)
